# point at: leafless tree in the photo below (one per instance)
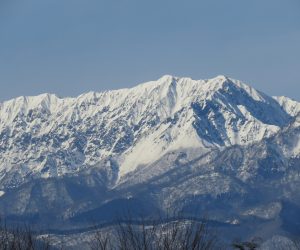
(21, 238)
(159, 234)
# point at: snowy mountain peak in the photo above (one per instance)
(220, 78)
(165, 78)
(49, 136)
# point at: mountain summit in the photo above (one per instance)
(46, 136)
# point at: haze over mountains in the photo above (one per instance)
(216, 147)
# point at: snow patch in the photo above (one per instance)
(267, 212)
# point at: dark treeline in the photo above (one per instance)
(21, 238)
(126, 235)
(179, 234)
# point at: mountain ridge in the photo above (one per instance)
(208, 113)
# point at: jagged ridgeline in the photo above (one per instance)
(212, 147)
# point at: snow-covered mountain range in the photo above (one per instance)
(174, 142)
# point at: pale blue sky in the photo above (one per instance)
(72, 46)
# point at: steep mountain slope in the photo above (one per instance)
(216, 146)
(46, 136)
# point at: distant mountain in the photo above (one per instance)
(216, 147)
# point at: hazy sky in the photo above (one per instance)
(72, 46)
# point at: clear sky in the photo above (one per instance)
(72, 46)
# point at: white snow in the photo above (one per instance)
(289, 105)
(51, 136)
(269, 211)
